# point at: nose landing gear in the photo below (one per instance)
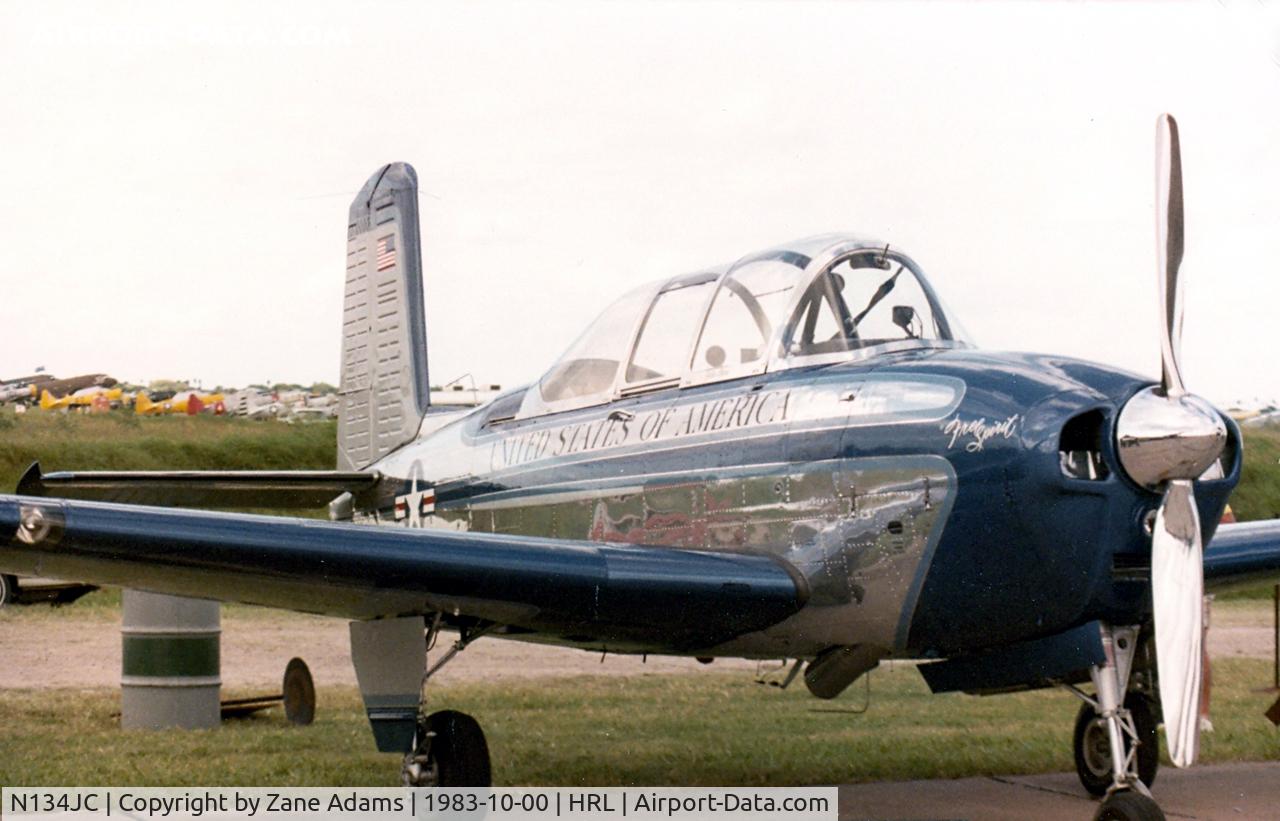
(1092, 744)
(1116, 749)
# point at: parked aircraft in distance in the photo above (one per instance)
(256, 404)
(59, 388)
(36, 590)
(83, 397)
(23, 387)
(799, 455)
(182, 402)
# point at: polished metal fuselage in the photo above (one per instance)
(920, 495)
(754, 465)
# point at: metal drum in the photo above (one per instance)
(170, 674)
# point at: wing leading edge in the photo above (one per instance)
(581, 591)
(1241, 554)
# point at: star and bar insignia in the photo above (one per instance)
(416, 506)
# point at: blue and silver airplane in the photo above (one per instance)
(798, 455)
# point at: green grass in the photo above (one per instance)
(123, 441)
(1258, 494)
(701, 729)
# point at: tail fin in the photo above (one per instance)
(384, 390)
(142, 403)
(47, 401)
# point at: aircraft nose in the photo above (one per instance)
(1161, 438)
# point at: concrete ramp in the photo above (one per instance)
(1210, 792)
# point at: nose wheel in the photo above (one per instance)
(1129, 806)
(1115, 736)
(1092, 744)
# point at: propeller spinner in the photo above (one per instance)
(1167, 438)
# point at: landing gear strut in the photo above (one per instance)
(1115, 742)
(449, 748)
(1092, 745)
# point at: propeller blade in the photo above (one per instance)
(1169, 250)
(1177, 592)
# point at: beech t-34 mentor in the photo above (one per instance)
(798, 455)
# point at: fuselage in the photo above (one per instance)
(935, 501)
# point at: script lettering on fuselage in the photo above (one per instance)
(661, 424)
(978, 431)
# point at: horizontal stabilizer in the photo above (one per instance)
(281, 489)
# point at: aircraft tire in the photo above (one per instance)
(8, 589)
(1092, 748)
(459, 750)
(1128, 805)
(299, 693)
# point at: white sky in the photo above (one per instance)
(176, 181)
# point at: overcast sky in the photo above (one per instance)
(176, 182)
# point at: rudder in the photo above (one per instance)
(384, 390)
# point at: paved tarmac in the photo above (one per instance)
(1240, 792)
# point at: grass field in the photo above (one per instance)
(123, 441)
(702, 729)
(1258, 494)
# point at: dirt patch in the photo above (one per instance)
(73, 651)
(62, 648)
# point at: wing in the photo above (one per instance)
(1241, 554)
(281, 489)
(582, 592)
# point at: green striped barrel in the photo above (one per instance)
(170, 674)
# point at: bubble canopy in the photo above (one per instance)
(826, 299)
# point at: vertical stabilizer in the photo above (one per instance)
(384, 390)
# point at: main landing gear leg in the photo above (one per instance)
(1113, 733)
(449, 748)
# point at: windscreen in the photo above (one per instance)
(862, 302)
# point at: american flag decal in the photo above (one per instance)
(386, 252)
